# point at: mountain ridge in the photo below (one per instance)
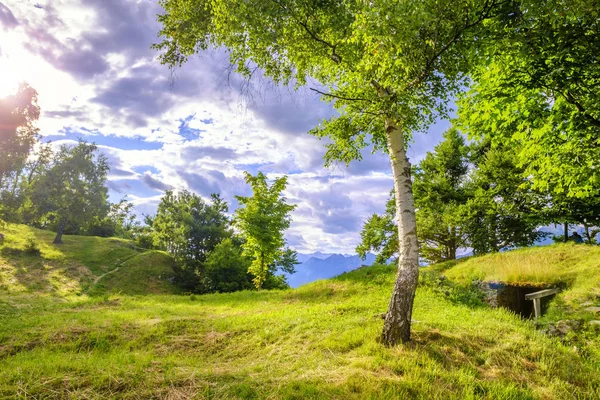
(313, 268)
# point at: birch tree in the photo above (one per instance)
(388, 67)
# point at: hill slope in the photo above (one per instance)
(30, 263)
(313, 268)
(573, 267)
(318, 341)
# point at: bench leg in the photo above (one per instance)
(537, 308)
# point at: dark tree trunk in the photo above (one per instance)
(566, 232)
(59, 233)
(587, 233)
(452, 255)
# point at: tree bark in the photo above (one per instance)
(587, 232)
(396, 327)
(59, 233)
(566, 232)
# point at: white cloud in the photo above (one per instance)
(92, 65)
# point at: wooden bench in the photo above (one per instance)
(536, 297)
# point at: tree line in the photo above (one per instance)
(63, 189)
(475, 195)
(213, 252)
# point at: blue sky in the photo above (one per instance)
(197, 129)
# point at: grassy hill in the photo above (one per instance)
(576, 268)
(30, 263)
(318, 341)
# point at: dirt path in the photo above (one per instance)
(106, 273)
(114, 270)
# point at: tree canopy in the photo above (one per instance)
(72, 190)
(18, 130)
(536, 85)
(440, 193)
(189, 228)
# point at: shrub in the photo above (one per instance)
(145, 241)
(31, 247)
(468, 295)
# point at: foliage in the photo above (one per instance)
(189, 228)
(380, 234)
(578, 211)
(503, 210)
(120, 221)
(262, 219)
(18, 132)
(31, 247)
(72, 192)
(440, 193)
(401, 68)
(536, 86)
(226, 269)
(387, 67)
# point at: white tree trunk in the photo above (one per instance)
(396, 327)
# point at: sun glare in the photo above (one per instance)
(9, 78)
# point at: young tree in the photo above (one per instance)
(72, 191)
(386, 67)
(262, 219)
(439, 186)
(190, 228)
(380, 234)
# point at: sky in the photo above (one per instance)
(197, 128)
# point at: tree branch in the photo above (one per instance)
(487, 8)
(334, 56)
(335, 96)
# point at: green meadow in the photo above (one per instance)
(64, 333)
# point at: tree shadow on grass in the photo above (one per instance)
(509, 358)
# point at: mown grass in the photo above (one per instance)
(318, 341)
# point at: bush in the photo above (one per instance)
(145, 241)
(468, 295)
(226, 270)
(31, 247)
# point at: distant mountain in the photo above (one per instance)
(303, 257)
(319, 265)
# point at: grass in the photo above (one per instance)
(573, 267)
(145, 273)
(30, 263)
(318, 341)
(562, 263)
